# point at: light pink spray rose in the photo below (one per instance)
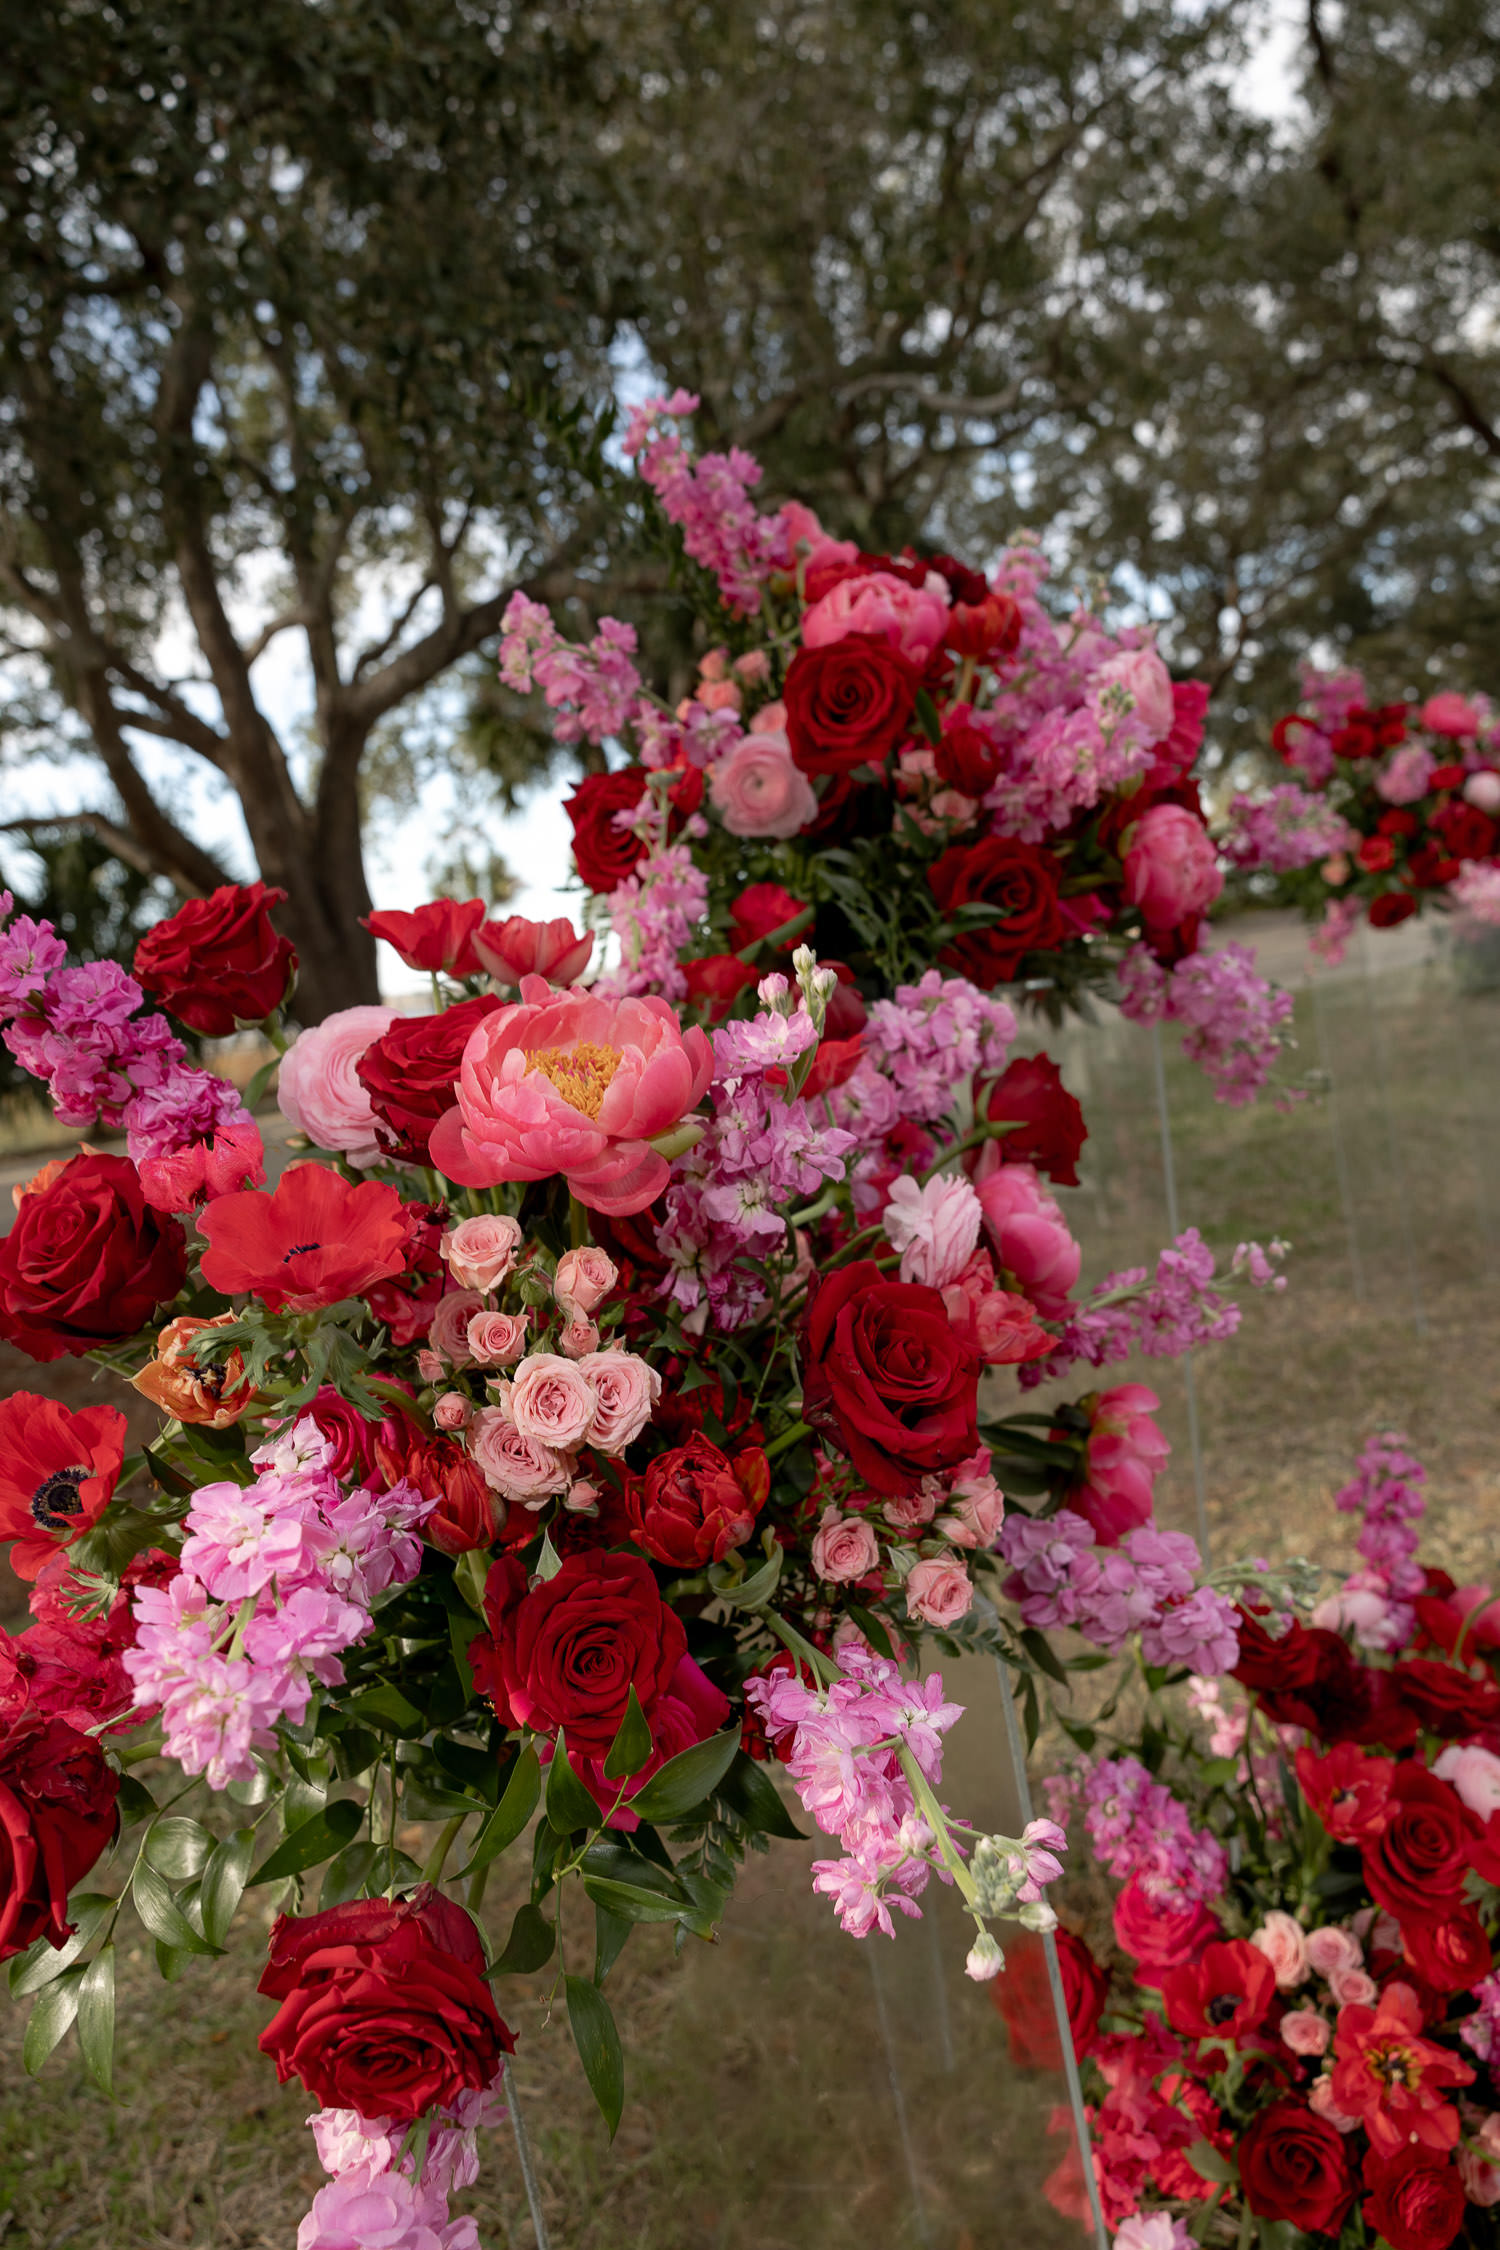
(1331, 1949)
(583, 1280)
(481, 1252)
(1483, 789)
(976, 1508)
(935, 1227)
(553, 1401)
(563, 1082)
(1306, 2032)
(1172, 871)
(1321, 2102)
(517, 948)
(452, 1411)
(843, 1548)
(1281, 1940)
(519, 1467)
(318, 1089)
(382, 2210)
(448, 1332)
(1141, 675)
(625, 1390)
(1125, 1455)
(757, 790)
(578, 1338)
(1475, 1774)
(1030, 1236)
(497, 1339)
(1353, 1988)
(1450, 714)
(912, 1511)
(912, 618)
(938, 1590)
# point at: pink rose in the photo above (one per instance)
(1451, 714)
(758, 791)
(516, 948)
(1480, 2176)
(582, 1497)
(844, 1548)
(1332, 1951)
(934, 1226)
(1407, 776)
(912, 1511)
(1352, 1988)
(1475, 1774)
(912, 618)
(452, 1411)
(449, 1329)
(1321, 2102)
(565, 1082)
(1172, 871)
(481, 1252)
(1305, 2031)
(938, 1590)
(430, 1367)
(1031, 1238)
(318, 1089)
(1483, 789)
(1140, 675)
(976, 1512)
(496, 1339)
(578, 1338)
(553, 1401)
(584, 1279)
(1125, 1455)
(1281, 1940)
(625, 1390)
(519, 1467)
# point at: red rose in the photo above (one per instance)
(58, 1471)
(1309, 1678)
(964, 757)
(716, 980)
(1420, 1858)
(410, 1072)
(437, 936)
(313, 1241)
(1447, 1946)
(1294, 2165)
(217, 961)
(1417, 2200)
(1443, 1699)
(986, 626)
(1225, 1992)
(1463, 830)
(1429, 867)
(1023, 1997)
(693, 1504)
(889, 1376)
(848, 704)
(57, 1817)
(1159, 1934)
(384, 2005)
(1376, 854)
(567, 1653)
(1390, 908)
(1399, 821)
(605, 854)
(348, 1432)
(1048, 1128)
(759, 912)
(1021, 880)
(87, 1261)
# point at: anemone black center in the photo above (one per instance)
(56, 1499)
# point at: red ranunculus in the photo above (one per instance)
(694, 1503)
(87, 1261)
(849, 703)
(1417, 2199)
(218, 961)
(57, 1816)
(1023, 1997)
(1421, 1856)
(1158, 1934)
(1376, 854)
(314, 1240)
(1347, 1789)
(1294, 2165)
(1021, 880)
(760, 910)
(1444, 1699)
(1224, 1993)
(57, 1473)
(439, 935)
(567, 1653)
(1047, 1123)
(605, 854)
(411, 1070)
(384, 2007)
(889, 1376)
(1447, 1945)
(468, 1515)
(988, 627)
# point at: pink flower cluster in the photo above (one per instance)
(277, 1578)
(1288, 829)
(1141, 1833)
(592, 691)
(29, 952)
(1481, 2031)
(653, 914)
(1147, 1584)
(1235, 1020)
(1375, 1604)
(1161, 1315)
(378, 2199)
(932, 1038)
(1476, 888)
(709, 501)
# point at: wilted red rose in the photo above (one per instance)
(1295, 2165)
(314, 1240)
(1445, 1699)
(694, 1503)
(1023, 1997)
(58, 1471)
(888, 1375)
(1421, 1856)
(384, 2007)
(57, 1817)
(1047, 1123)
(606, 854)
(436, 936)
(1022, 881)
(411, 1070)
(87, 1261)
(218, 961)
(1447, 1945)
(1225, 1992)
(849, 703)
(567, 1653)
(1417, 2199)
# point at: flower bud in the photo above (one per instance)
(985, 1959)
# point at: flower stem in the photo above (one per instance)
(437, 1858)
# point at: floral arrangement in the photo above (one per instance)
(587, 1427)
(1396, 807)
(1298, 2034)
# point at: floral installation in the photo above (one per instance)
(580, 1450)
(1294, 2026)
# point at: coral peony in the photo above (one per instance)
(1172, 870)
(1125, 1455)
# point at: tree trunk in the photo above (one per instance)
(317, 858)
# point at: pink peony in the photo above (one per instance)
(912, 618)
(1281, 1940)
(1140, 674)
(935, 1227)
(318, 1088)
(758, 791)
(844, 1548)
(496, 1339)
(516, 948)
(1125, 1456)
(1306, 2032)
(1475, 1773)
(1032, 1244)
(1451, 714)
(584, 1279)
(1172, 871)
(518, 1467)
(449, 1329)
(938, 1590)
(481, 1252)
(553, 1401)
(625, 1390)
(563, 1082)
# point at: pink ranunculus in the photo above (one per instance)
(1483, 789)
(448, 1332)
(570, 1083)
(578, 1338)
(757, 791)
(512, 1464)
(1030, 1236)
(938, 1590)
(1125, 1456)
(626, 1389)
(1306, 2032)
(935, 1226)
(844, 1548)
(452, 1411)
(481, 1252)
(318, 1086)
(1280, 1939)
(1172, 871)
(517, 948)
(1451, 714)
(1406, 776)
(1331, 1950)
(912, 618)
(1474, 1773)
(1142, 675)
(584, 1279)
(553, 1401)
(496, 1339)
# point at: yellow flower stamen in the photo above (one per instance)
(581, 1073)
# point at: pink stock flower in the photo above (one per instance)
(1130, 695)
(481, 1252)
(844, 1548)
(1172, 871)
(1126, 1454)
(517, 948)
(757, 791)
(935, 1227)
(566, 1083)
(938, 1590)
(1407, 776)
(318, 1087)
(1153, 2230)
(1032, 1244)
(366, 2209)
(583, 1280)
(912, 618)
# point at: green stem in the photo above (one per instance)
(390, 1888)
(933, 1814)
(477, 1884)
(822, 1667)
(976, 1139)
(788, 1439)
(437, 1858)
(578, 1224)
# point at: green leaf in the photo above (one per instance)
(161, 1914)
(632, 1746)
(134, 1801)
(569, 1804)
(178, 1848)
(610, 1934)
(348, 1875)
(755, 1797)
(50, 2018)
(633, 1904)
(463, 1628)
(384, 1706)
(752, 1592)
(43, 1963)
(512, 1813)
(549, 1561)
(925, 713)
(529, 1946)
(685, 1781)
(1042, 1655)
(873, 1630)
(96, 2019)
(1208, 2163)
(598, 2044)
(223, 1883)
(317, 1839)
